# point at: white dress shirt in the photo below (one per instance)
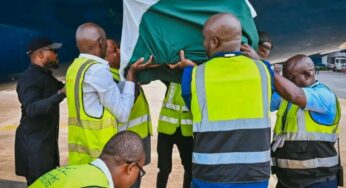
(100, 90)
(103, 167)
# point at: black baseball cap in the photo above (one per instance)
(42, 42)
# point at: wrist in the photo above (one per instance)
(130, 75)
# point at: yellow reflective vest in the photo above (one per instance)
(304, 148)
(231, 123)
(174, 113)
(86, 135)
(86, 175)
(139, 120)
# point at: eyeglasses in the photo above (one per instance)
(266, 46)
(141, 170)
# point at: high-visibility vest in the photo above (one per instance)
(139, 120)
(86, 135)
(307, 155)
(174, 113)
(86, 175)
(231, 123)
(115, 74)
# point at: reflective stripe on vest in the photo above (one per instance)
(83, 149)
(306, 136)
(231, 158)
(297, 131)
(306, 164)
(175, 107)
(169, 119)
(174, 113)
(186, 121)
(85, 124)
(219, 139)
(141, 125)
(134, 122)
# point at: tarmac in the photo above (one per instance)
(10, 115)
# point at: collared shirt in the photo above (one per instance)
(103, 167)
(100, 90)
(320, 101)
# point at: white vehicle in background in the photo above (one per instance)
(340, 64)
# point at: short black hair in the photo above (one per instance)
(124, 147)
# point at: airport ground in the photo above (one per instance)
(10, 115)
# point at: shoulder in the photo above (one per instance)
(29, 77)
(98, 67)
(320, 91)
(320, 98)
(99, 70)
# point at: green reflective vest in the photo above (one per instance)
(231, 123)
(139, 120)
(303, 147)
(85, 175)
(174, 113)
(86, 135)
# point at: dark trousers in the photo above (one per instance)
(165, 145)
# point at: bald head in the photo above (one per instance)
(296, 60)
(222, 32)
(300, 70)
(91, 39)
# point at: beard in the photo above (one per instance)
(52, 64)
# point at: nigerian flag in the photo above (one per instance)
(164, 27)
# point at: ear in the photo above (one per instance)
(40, 54)
(215, 42)
(130, 168)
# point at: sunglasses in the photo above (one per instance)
(141, 170)
(50, 49)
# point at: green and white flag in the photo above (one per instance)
(164, 27)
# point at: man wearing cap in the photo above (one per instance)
(39, 92)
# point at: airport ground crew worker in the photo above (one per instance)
(174, 127)
(119, 165)
(230, 96)
(306, 128)
(94, 99)
(139, 120)
(39, 92)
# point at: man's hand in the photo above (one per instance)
(249, 51)
(182, 63)
(137, 66)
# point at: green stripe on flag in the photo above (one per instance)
(172, 25)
